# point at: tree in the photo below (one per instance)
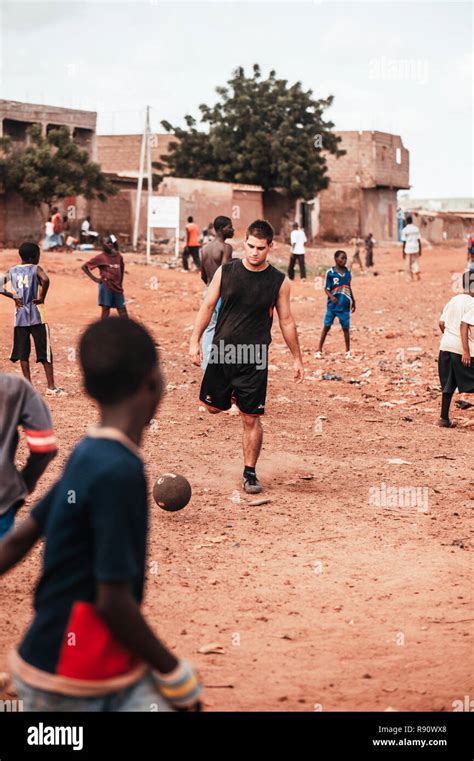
(262, 132)
(51, 167)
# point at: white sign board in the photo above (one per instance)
(163, 211)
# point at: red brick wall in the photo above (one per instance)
(121, 153)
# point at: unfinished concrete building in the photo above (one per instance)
(18, 220)
(362, 195)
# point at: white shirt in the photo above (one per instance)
(411, 237)
(86, 226)
(459, 309)
(298, 239)
(49, 229)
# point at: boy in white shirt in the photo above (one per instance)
(456, 351)
(412, 248)
(298, 239)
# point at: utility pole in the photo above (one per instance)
(150, 186)
(145, 159)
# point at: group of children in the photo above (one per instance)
(89, 648)
(27, 284)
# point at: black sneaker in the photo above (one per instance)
(251, 484)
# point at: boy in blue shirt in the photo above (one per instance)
(89, 647)
(341, 301)
(30, 284)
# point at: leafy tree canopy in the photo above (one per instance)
(261, 132)
(51, 167)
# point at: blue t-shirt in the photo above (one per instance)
(94, 520)
(339, 285)
(25, 285)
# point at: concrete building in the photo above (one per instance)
(16, 117)
(119, 156)
(18, 220)
(362, 195)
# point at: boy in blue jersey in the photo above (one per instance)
(89, 647)
(30, 283)
(341, 301)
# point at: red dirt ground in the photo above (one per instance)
(319, 599)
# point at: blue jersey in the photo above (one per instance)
(25, 285)
(339, 285)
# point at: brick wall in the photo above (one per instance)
(121, 153)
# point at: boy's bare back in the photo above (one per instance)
(214, 254)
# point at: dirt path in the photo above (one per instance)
(322, 597)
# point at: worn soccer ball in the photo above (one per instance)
(172, 492)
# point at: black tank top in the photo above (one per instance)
(248, 299)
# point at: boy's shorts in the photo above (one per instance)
(334, 311)
(7, 521)
(413, 263)
(108, 298)
(143, 697)
(454, 375)
(245, 384)
(22, 343)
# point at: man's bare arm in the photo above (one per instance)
(288, 329)
(228, 251)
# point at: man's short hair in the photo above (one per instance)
(339, 251)
(221, 222)
(261, 229)
(190, 219)
(468, 281)
(295, 226)
(409, 219)
(116, 355)
(29, 252)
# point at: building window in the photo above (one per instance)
(398, 155)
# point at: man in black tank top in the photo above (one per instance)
(249, 290)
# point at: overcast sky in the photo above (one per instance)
(392, 66)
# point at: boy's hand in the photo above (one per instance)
(18, 302)
(466, 359)
(334, 300)
(353, 306)
(38, 301)
(181, 688)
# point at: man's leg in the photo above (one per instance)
(185, 258)
(196, 259)
(122, 311)
(252, 438)
(105, 313)
(291, 267)
(302, 266)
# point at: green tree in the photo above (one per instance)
(262, 132)
(51, 167)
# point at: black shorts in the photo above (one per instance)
(22, 343)
(454, 375)
(245, 384)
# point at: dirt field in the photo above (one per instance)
(321, 599)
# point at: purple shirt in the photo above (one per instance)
(25, 285)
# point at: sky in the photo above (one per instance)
(401, 67)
